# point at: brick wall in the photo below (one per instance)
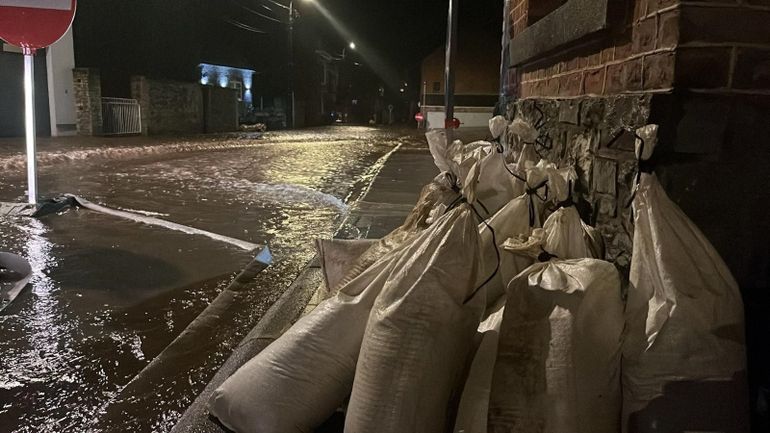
(720, 46)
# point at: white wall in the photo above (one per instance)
(60, 59)
(470, 117)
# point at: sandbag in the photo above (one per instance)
(568, 237)
(436, 193)
(496, 185)
(298, 381)
(419, 335)
(558, 360)
(511, 221)
(336, 256)
(473, 410)
(684, 357)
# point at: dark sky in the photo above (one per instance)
(168, 38)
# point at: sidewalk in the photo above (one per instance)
(391, 197)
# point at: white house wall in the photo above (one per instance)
(470, 117)
(60, 59)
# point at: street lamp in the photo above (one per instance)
(352, 45)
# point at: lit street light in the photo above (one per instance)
(352, 45)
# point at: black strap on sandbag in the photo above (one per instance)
(532, 192)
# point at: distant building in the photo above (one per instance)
(477, 81)
(54, 95)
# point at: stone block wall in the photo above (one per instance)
(88, 100)
(169, 107)
(590, 134)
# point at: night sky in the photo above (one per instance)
(168, 38)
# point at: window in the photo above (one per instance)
(436, 86)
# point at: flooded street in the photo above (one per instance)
(108, 295)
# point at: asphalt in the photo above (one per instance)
(391, 196)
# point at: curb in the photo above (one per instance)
(278, 318)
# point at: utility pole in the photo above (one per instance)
(449, 69)
(290, 112)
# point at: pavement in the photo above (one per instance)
(391, 196)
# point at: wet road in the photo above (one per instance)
(108, 295)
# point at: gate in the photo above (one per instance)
(121, 116)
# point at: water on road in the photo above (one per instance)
(108, 295)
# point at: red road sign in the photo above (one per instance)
(35, 24)
(419, 117)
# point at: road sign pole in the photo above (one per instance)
(29, 119)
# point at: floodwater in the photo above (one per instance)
(108, 295)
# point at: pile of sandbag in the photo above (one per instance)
(492, 309)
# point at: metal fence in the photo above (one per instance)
(121, 116)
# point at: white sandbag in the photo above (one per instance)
(496, 185)
(298, 381)
(419, 335)
(435, 194)
(684, 357)
(568, 237)
(558, 361)
(511, 221)
(474, 404)
(523, 130)
(336, 255)
(497, 126)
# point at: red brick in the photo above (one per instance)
(623, 50)
(608, 54)
(571, 85)
(632, 75)
(572, 64)
(538, 88)
(724, 24)
(659, 71)
(645, 35)
(622, 77)
(702, 68)
(525, 90)
(752, 69)
(594, 81)
(595, 59)
(614, 79)
(551, 87)
(668, 29)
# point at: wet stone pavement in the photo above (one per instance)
(108, 295)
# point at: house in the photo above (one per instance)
(54, 93)
(477, 80)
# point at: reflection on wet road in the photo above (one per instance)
(108, 295)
